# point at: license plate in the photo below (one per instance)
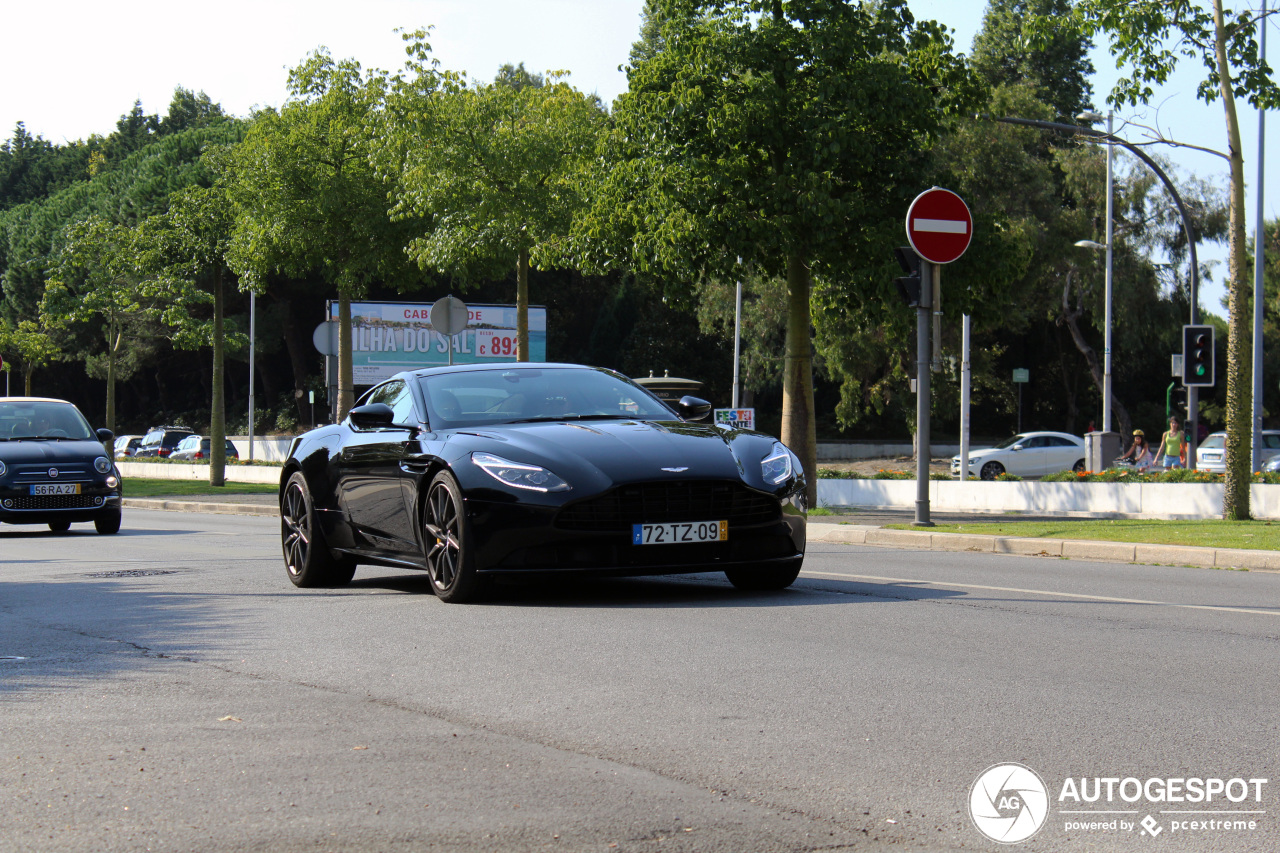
(1212, 457)
(56, 489)
(679, 533)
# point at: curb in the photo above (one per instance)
(203, 506)
(1076, 549)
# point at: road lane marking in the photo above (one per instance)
(1051, 593)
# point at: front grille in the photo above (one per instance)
(650, 503)
(53, 502)
(76, 472)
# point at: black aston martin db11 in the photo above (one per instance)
(477, 470)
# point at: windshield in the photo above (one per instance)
(1214, 441)
(1010, 442)
(42, 419)
(530, 394)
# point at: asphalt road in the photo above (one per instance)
(175, 692)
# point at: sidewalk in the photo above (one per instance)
(872, 534)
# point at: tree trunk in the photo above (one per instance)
(113, 347)
(346, 374)
(218, 406)
(26, 381)
(798, 429)
(522, 305)
(1235, 491)
(297, 358)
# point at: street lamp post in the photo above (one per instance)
(1106, 369)
(1193, 415)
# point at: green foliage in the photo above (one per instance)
(1058, 69)
(1006, 477)
(491, 172)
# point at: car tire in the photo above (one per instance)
(307, 557)
(108, 523)
(1078, 467)
(446, 543)
(59, 526)
(767, 577)
(991, 470)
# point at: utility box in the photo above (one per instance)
(1101, 449)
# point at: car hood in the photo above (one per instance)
(979, 452)
(50, 450)
(598, 453)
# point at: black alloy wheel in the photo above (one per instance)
(1078, 467)
(991, 470)
(766, 577)
(307, 558)
(59, 526)
(446, 542)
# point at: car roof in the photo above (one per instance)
(1049, 432)
(34, 400)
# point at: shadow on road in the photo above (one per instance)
(666, 591)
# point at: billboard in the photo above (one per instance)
(388, 337)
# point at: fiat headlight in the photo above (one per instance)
(518, 474)
(777, 467)
(102, 465)
(1, 469)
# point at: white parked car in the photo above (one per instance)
(1027, 454)
(1211, 454)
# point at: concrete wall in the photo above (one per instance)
(178, 471)
(1147, 500)
(847, 451)
(270, 448)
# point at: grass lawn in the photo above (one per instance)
(1208, 533)
(139, 487)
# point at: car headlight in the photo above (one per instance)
(102, 465)
(518, 474)
(777, 467)
(1, 469)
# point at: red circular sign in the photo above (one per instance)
(939, 226)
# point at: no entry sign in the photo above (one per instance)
(939, 225)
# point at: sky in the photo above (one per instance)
(72, 68)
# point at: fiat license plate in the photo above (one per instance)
(56, 489)
(679, 532)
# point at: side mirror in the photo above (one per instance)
(372, 416)
(692, 408)
(106, 436)
(1016, 447)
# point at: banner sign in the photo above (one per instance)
(736, 418)
(388, 337)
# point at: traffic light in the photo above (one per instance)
(1197, 355)
(909, 284)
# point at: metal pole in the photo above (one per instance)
(1106, 373)
(253, 331)
(737, 345)
(1259, 241)
(936, 359)
(965, 380)
(922, 395)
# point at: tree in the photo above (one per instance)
(190, 247)
(784, 133)
(27, 345)
(1003, 53)
(1149, 38)
(98, 282)
(495, 169)
(308, 200)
